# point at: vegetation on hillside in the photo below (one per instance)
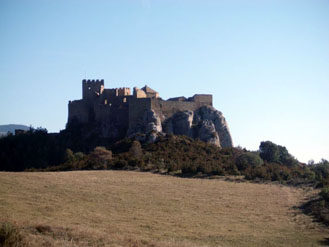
(10, 236)
(176, 155)
(33, 149)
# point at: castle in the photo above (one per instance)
(113, 114)
(119, 106)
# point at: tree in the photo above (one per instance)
(69, 156)
(269, 152)
(286, 158)
(102, 153)
(136, 150)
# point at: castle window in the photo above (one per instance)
(89, 88)
(124, 99)
(105, 102)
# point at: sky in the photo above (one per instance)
(265, 62)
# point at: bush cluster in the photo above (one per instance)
(10, 236)
(188, 157)
(175, 154)
(99, 159)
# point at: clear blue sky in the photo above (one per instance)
(265, 62)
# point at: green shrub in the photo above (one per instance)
(133, 162)
(189, 168)
(10, 236)
(325, 194)
(218, 171)
(172, 166)
(248, 159)
(79, 156)
(136, 150)
(258, 172)
(120, 163)
(69, 156)
(99, 159)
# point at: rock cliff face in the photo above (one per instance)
(205, 123)
(151, 123)
(221, 128)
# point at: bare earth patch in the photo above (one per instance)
(119, 208)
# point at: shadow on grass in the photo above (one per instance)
(318, 210)
(324, 242)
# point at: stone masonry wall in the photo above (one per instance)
(137, 108)
(78, 110)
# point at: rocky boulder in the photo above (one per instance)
(180, 124)
(206, 123)
(207, 132)
(221, 126)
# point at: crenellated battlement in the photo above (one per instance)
(93, 81)
(92, 89)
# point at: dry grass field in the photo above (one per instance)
(119, 208)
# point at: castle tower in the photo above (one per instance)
(150, 93)
(92, 89)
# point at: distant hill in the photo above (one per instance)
(11, 128)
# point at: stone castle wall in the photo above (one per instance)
(169, 107)
(117, 107)
(137, 108)
(78, 111)
(202, 99)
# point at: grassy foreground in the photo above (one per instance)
(119, 208)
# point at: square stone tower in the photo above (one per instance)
(91, 89)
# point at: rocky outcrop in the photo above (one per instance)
(206, 123)
(180, 124)
(207, 132)
(150, 126)
(152, 122)
(217, 118)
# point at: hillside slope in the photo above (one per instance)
(119, 208)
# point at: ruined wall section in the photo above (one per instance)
(137, 109)
(78, 111)
(110, 97)
(114, 106)
(180, 98)
(139, 93)
(166, 109)
(113, 118)
(108, 94)
(201, 99)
